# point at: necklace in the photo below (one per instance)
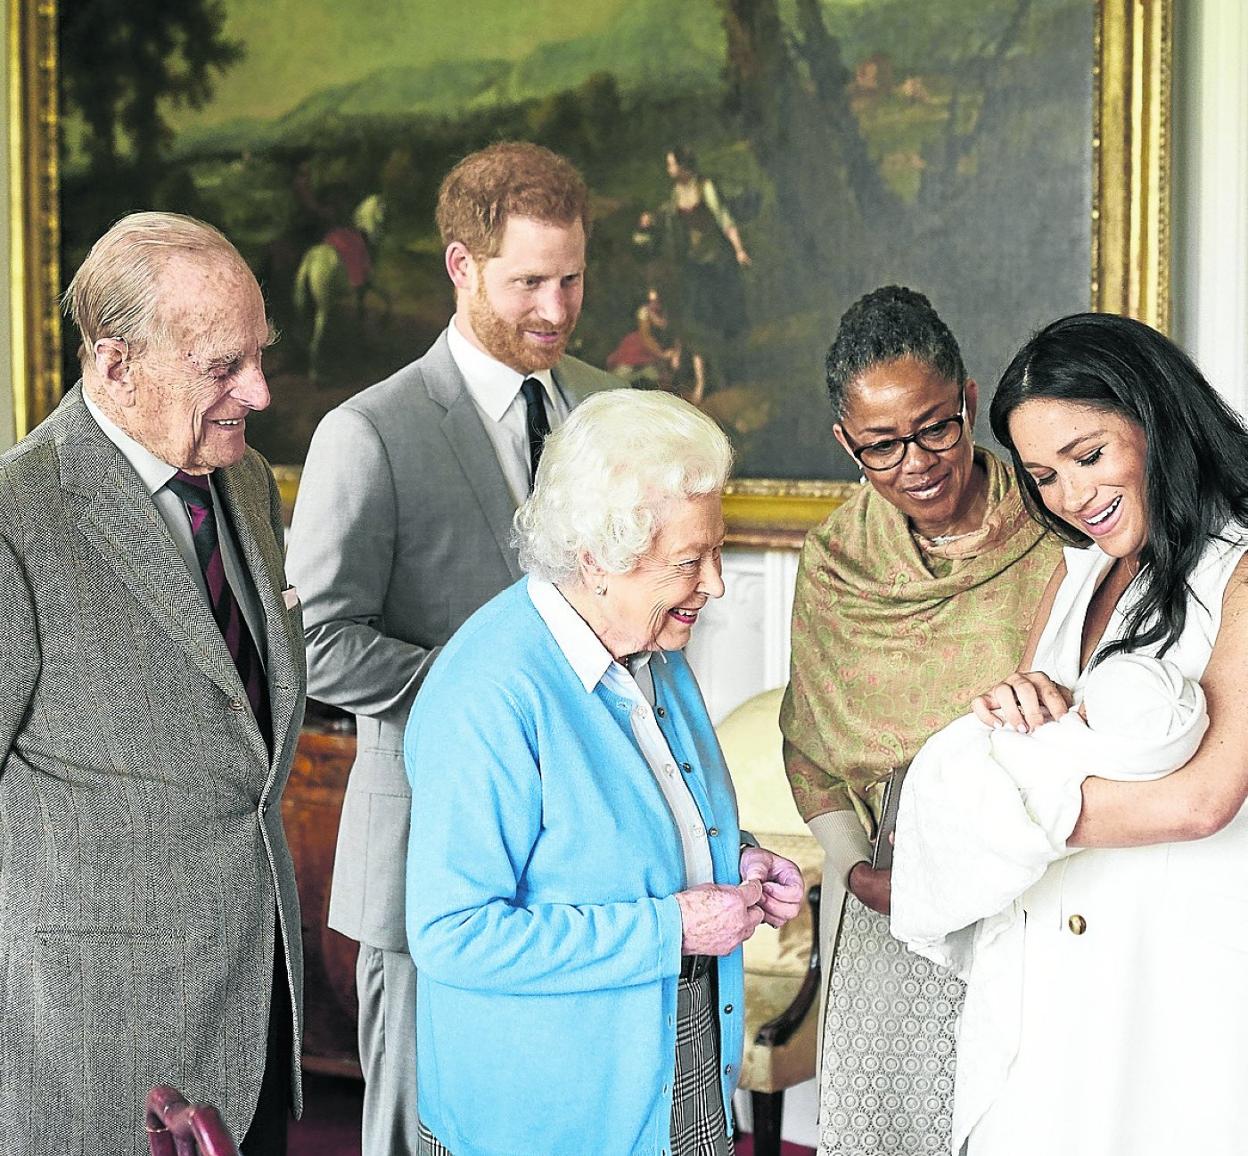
(945, 539)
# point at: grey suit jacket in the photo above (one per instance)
(401, 530)
(142, 858)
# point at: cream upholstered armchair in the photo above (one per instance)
(781, 967)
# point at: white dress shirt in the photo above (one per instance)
(154, 474)
(495, 391)
(592, 663)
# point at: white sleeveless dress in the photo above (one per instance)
(1134, 1036)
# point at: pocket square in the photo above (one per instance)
(290, 596)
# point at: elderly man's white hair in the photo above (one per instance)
(115, 292)
(607, 473)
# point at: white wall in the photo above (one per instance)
(1210, 254)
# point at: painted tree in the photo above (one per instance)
(781, 120)
(123, 63)
(791, 85)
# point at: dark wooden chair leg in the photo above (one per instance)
(768, 1109)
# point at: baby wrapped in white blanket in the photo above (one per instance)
(985, 811)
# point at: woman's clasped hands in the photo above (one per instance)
(716, 918)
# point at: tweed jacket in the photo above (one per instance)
(401, 531)
(142, 858)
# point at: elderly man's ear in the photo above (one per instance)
(112, 365)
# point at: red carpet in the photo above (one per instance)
(331, 1121)
(745, 1147)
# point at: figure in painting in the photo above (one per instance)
(648, 357)
(706, 253)
(341, 264)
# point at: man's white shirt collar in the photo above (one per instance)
(153, 472)
(585, 653)
(492, 384)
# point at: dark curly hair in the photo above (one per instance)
(888, 324)
(1196, 456)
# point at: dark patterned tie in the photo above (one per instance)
(536, 423)
(194, 491)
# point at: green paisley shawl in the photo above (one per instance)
(890, 644)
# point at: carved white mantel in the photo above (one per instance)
(741, 643)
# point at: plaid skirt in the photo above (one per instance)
(699, 1127)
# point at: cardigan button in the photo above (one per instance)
(1077, 924)
(686, 767)
(713, 832)
(727, 1009)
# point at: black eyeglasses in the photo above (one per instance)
(935, 438)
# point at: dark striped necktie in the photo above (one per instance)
(194, 491)
(536, 423)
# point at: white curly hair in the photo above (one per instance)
(607, 473)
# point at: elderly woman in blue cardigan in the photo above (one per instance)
(578, 890)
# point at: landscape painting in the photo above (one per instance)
(755, 166)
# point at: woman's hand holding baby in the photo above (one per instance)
(1025, 700)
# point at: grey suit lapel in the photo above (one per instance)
(560, 377)
(565, 391)
(471, 445)
(263, 560)
(120, 521)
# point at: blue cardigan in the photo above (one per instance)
(542, 869)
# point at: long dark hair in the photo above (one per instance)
(1196, 460)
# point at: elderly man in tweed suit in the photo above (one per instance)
(151, 692)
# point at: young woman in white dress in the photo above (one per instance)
(1134, 997)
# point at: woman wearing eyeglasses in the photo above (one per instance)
(911, 598)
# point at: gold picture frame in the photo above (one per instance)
(1130, 224)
